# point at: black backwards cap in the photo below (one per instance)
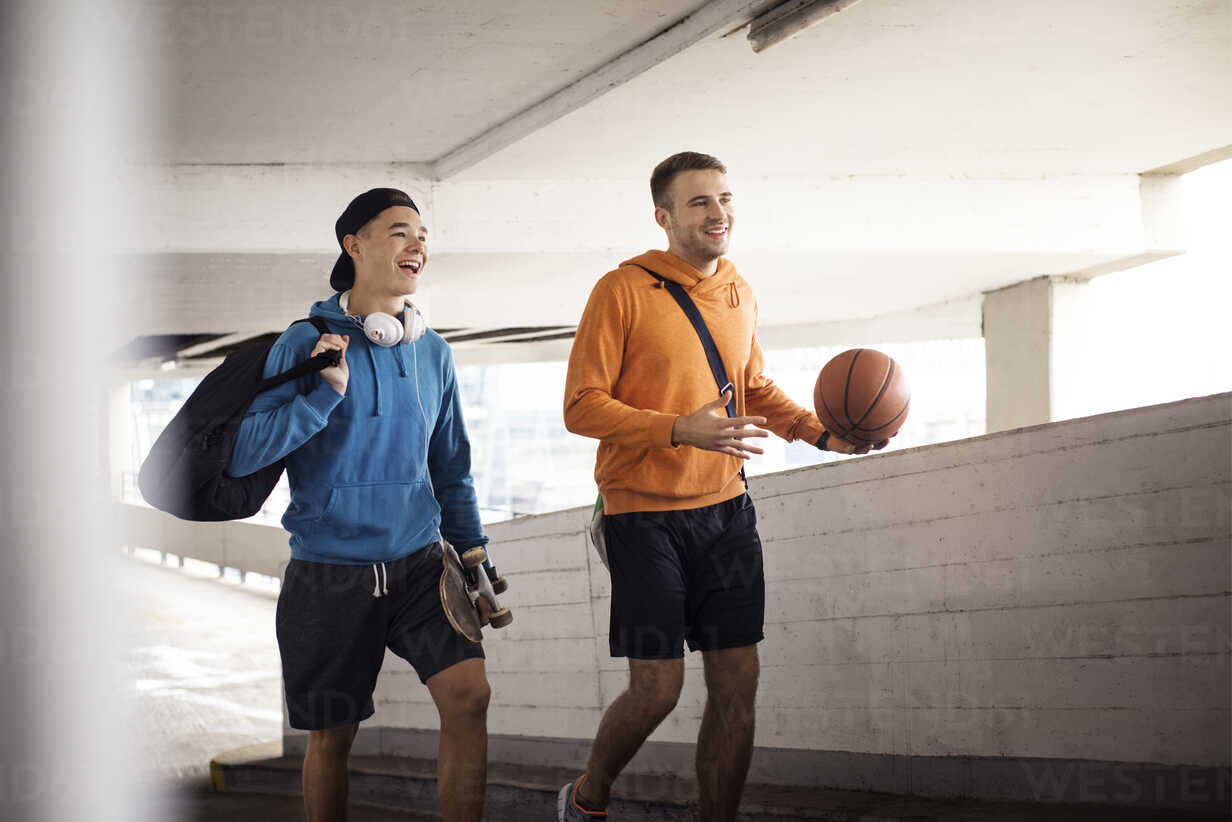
(362, 209)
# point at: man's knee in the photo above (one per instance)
(473, 701)
(732, 674)
(467, 700)
(656, 684)
(333, 742)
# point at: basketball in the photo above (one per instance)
(862, 396)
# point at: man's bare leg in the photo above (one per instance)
(654, 687)
(461, 694)
(725, 743)
(325, 773)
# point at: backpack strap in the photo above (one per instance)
(712, 352)
(699, 325)
(312, 365)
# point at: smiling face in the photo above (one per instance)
(698, 217)
(390, 253)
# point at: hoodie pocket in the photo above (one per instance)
(374, 515)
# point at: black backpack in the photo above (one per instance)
(184, 473)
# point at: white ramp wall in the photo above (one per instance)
(1037, 614)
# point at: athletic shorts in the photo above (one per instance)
(333, 630)
(690, 576)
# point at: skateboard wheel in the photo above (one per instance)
(501, 618)
(473, 557)
(499, 586)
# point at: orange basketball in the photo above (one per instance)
(861, 396)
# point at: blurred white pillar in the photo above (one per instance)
(74, 118)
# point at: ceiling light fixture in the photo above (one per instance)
(789, 19)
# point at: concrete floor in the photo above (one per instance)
(204, 662)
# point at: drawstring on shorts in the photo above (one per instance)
(378, 588)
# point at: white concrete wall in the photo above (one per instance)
(1056, 592)
(248, 547)
(544, 668)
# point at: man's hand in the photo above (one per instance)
(485, 608)
(336, 375)
(841, 446)
(710, 429)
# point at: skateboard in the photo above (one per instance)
(463, 580)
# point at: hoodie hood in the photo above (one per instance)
(331, 311)
(723, 284)
(382, 361)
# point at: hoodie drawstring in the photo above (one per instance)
(378, 589)
(400, 356)
(376, 378)
(733, 295)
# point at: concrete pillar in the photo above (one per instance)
(1035, 335)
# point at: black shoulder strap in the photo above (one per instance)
(309, 366)
(699, 325)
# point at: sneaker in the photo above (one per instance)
(567, 807)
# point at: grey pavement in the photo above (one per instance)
(203, 662)
(197, 802)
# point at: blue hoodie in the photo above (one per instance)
(362, 488)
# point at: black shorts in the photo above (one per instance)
(333, 631)
(685, 576)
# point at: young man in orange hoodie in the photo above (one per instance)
(681, 532)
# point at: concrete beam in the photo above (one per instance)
(1206, 158)
(1162, 234)
(259, 292)
(288, 209)
(1100, 216)
(711, 18)
(245, 208)
(792, 18)
(956, 319)
(234, 249)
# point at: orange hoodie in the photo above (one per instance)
(637, 364)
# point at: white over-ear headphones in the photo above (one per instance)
(385, 329)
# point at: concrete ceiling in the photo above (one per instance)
(312, 81)
(936, 149)
(922, 88)
(910, 87)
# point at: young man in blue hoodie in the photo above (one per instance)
(379, 467)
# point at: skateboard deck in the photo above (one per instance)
(455, 599)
